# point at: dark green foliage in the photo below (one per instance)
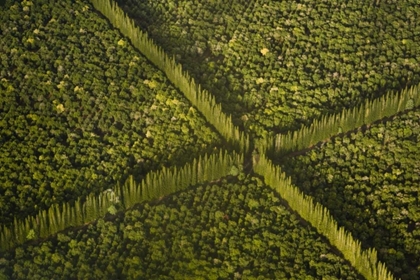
(370, 182)
(105, 102)
(81, 109)
(155, 185)
(349, 119)
(206, 232)
(365, 261)
(201, 99)
(277, 65)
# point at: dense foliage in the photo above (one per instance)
(370, 181)
(364, 260)
(370, 111)
(84, 210)
(202, 100)
(237, 229)
(278, 64)
(80, 108)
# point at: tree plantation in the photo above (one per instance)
(209, 139)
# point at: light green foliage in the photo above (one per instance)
(112, 210)
(31, 235)
(409, 105)
(234, 171)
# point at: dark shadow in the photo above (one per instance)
(349, 206)
(192, 38)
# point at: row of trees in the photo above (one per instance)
(87, 112)
(155, 185)
(203, 100)
(369, 180)
(170, 180)
(365, 261)
(349, 119)
(211, 231)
